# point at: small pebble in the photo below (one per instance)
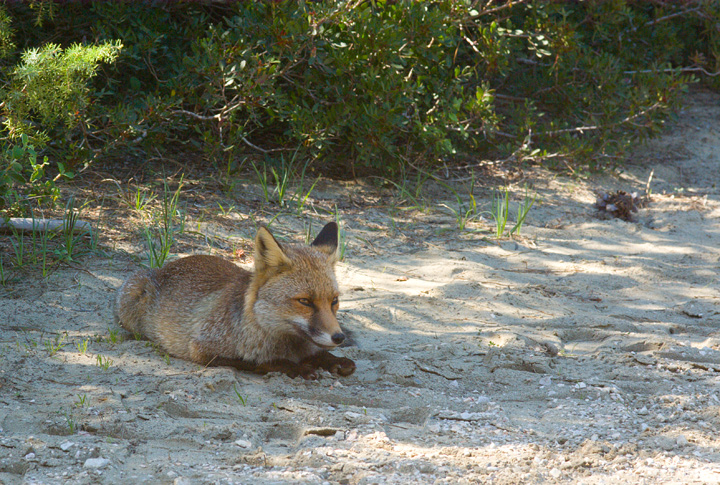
(96, 463)
(243, 443)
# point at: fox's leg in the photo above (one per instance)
(291, 369)
(325, 360)
(288, 367)
(202, 353)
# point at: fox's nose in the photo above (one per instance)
(338, 338)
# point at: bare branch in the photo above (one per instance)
(580, 129)
(217, 117)
(195, 115)
(493, 10)
(672, 15)
(681, 69)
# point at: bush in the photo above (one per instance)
(21, 169)
(44, 100)
(49, 87)
(378, 85)
(357, 86)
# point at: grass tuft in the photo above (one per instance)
(500, 211)
(160, 234)
(53, 346)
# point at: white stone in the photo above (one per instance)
(243, 443)
(352, 416)
(96, 463)
(66, 445)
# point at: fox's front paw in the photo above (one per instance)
(307, 372)
(325, 360)
(342, 367)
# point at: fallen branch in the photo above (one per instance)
(26, 224)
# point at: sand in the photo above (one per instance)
(586, 350)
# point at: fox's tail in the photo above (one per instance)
(133, 300)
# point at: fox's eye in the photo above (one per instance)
(335, 301)
(305, 301)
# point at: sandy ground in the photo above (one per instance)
(585, 351)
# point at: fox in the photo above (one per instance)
(280, 317)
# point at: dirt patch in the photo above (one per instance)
(587, 350)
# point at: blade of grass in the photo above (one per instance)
(499, 211)
(523, 210)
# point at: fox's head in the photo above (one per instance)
(294, 287)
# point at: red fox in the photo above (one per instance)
(279, 318)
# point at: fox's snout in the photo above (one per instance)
(323, 333)
(322, 340)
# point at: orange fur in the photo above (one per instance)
(281, 317)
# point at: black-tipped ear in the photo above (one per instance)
(268, 252)
(327, 240)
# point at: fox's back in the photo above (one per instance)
(193, 291)
(173, 304)
(195, 276)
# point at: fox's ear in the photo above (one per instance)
(268, 252)
(327, 241)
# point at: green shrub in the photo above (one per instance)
(49, 86)
(7, 46)
(23, 179)
(349, 83)
(45, 93)
(357, 86)
(381, 84)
